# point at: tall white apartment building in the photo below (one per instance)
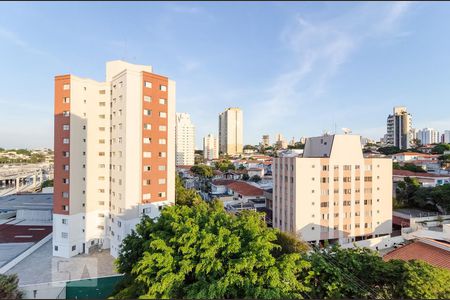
(332, 192)
(428, 136)
(399, 126)
(231, 131)
(114, 155)
(184, 140)
(447, 136)
(210, 147)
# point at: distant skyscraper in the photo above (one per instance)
(265, 140)
(210, 147)
(428, 136)
(399, 128)
(231, 131)
(447, 136)
(280, 141)
(184, 140)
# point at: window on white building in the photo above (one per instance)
(64, 235)
(148, 84)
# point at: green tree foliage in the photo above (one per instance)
(225, 165)
(297, 145)
(423, 281)
(408, 167)
(250, 147)
(255, 178)
(289, 243)
(202, 171)
(204, 252)
(389, 150)
(410, 193)
(440, 148)
(47, 183)
(245, 177)
(9, 287)
(184, 196)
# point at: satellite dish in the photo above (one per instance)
(347, 130)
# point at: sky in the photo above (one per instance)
(295, 68)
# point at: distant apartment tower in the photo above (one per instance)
(446, 138)
(231, 131)
(428, 136)
(281, 141)
(399, 126)
(332, 192)
(184, 140)
(265, 140)
(210, 147)
(114, 155)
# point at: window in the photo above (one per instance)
(162, 194)
(65, 221)
(65, 207)
(66, 87)
(367, 178)
(146, 182)
(66, 167)
(101, 128)
(101, 116)
(147, 126)
(102, 92)
(147, 140)
(66, 180)
(101, 166)
(162, 141)
(101, 190)
(162, 114)
(347, 167)
(64, 235)
(56, 248)
(66, 154)
(148, 84)
(162, 154)
(66, 127)
(101, 141)
(163, 88)
(65, 195)
(101, 154)
(147, 112)
(147, 154)
(74, 247)
(162, 128)
(66, 100)
(101, 203)
(162, 168)
(162, 101)
(147, 99)
(325, 168)
(162, 181)
(146, 196)
(66, 113)
(147, 168)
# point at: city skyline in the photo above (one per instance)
(336, 65)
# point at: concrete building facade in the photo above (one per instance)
(184, 140)
(428, 136)
(210, 147)
(114, 155)
(399, 126)
(231, 131)
(332, 192)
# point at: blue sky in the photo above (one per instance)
(295, 68)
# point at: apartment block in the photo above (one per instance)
(231, 131)
(210, 147)
(114, 155)
(184, 140)
(399, 128)
(428, 136)
(333, 192)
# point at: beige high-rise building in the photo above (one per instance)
(332, 192)
(114, 155)
(399, 126)
(184, 140)
(210, 147)
(265, 140)
(231, 131)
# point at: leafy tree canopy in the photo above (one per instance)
(389, 150)
(9, 287)
(204, 252)
(440, 148)
(184, 196)
(202, 171)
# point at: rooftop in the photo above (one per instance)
(407, 173)
(35, 201)
(433, 252)
(223, 181)
(245, 189)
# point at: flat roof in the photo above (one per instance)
(34, 201)
(41, 266)
(9, 251)
(414, 212)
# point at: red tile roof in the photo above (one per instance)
(407, 173)
(11, 233)
(245, 189)
(419, 250)
(223, 181)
